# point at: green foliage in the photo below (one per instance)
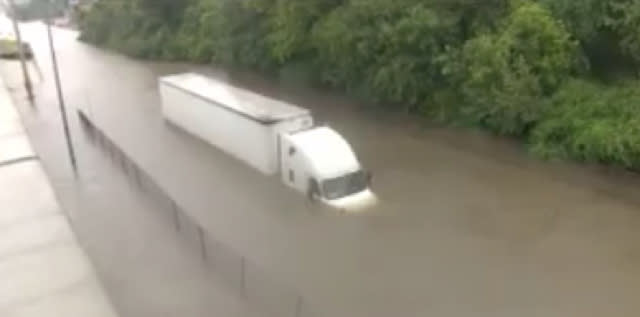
(204, 36)
(230, 32)
(166, 12)
(505, 65)
(389, 50)
(475, 17)
(585, 18)
(247, 37)
(606, 30)
(290, 22)
(123, 25)
(624, 20)
(507, 73)
(589, 122)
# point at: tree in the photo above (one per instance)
(624, 20)
(508, 72)
(585, 19)
(290, 22)
(388, 50)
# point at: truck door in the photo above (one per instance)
(290, 165)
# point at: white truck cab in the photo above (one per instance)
(320, 163)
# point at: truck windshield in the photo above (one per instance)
(343, 186)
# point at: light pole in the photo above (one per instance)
(63, 108)
(21, 55)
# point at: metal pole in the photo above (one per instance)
(21, 55)
(63, 108)
(298, 309)
(243, 277)
(203, 243)
(176, 215)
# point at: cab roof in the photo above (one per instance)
(244, 102)
(330, 154)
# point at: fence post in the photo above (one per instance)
(122, 161)
(203, 243)
(127, 165)
(243, 273)
(299, 302)
(98, 139)
(113, 153)
(136, 175)
(176, 216)
(107, 147)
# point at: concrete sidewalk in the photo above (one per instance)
(43, 269)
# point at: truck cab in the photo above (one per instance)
(320, 163)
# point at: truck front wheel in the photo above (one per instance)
(312, 191)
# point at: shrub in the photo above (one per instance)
(228, 32)
(388, 50)
(592, 123)
(140, 28)
(507, 73)
(289, 23)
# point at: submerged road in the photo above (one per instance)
(467, 225)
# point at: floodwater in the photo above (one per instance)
(467, 224)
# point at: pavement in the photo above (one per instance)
(43, 268)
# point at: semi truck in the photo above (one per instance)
(272, 136)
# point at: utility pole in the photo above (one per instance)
(63, 108)
(21, 54)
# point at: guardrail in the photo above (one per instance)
(251, 282)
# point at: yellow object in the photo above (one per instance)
(9, 48)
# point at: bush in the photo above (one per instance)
(588, 122)
(130, 26)
(203, 35)
(228, 32)
(624, 20)
(389, 50)
(289, 23)
(506, 74)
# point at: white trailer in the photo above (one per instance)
(272, 136)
